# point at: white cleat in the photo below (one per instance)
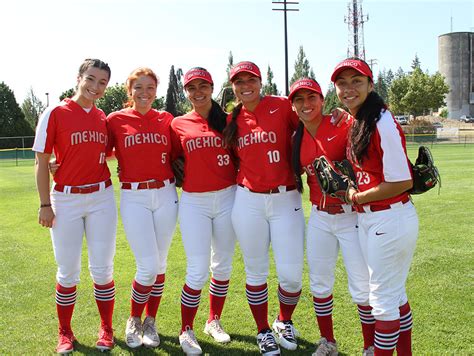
(286, 334)
(134, 332)
(325, 348)
(215, 329)
(150, 335)
(189, 343)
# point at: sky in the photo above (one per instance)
(44, 42)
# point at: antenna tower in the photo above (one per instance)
(355, 20)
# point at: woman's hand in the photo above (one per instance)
(53, 167)
(46, 216)
(339, 116)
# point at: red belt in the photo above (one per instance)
(153, 184)
(332, 209)
(288, 188)
(82, 190)
(373, 208)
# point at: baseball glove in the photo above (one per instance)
(334, 178)
(425, 173)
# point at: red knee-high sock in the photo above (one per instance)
(190, 299)
(257, 297)
(288, 303)
(217, 294)
(105, 300)
(65, 301)
(140, 295)
(155, 296)
(323, 309)
(386, 336)
(406, 324)
(367, 322)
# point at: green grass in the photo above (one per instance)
(440, 284)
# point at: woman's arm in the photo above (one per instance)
(383, 191)
(45, 213)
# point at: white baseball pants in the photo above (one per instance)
(388, 240)
(149, 219)
(94, 214)
(326, 234)
(207, 234)
(261, 219)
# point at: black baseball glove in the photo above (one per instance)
(334, 179)
(425, 173)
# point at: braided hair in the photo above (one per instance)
(230, 131)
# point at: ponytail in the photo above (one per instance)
(364, 125)
(295, 156)
(230, 131)
(217, 117)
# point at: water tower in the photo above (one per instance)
(456, 64)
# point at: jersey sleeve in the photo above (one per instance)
(110, 136)
(176, 148)
(394, 159)
(45, 132)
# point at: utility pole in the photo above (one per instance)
(285, 10)
(47, 99)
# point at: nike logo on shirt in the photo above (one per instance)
(380, 233)
(332, 138)
(274, 111)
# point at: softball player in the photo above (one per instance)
(267, 206)
(206, 202)
(81, 199)
(331, 225)
(148, 200)
(387, 219)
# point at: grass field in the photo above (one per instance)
(440, 284)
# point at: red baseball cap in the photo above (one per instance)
(353, 63)
(248, 67)
(197, 73)
(305, 83)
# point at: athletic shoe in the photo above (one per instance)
(150, 335)
(65, 342)
(325, 348)
(106, 338)
(133, 332)
(215, 329)
(286, 334)
(188, 343)
(267, 344)
(368, 351)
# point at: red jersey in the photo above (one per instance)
(208, 165)
(386, 159)
(264, 144)
(142, 144)
(78, 139)
(330, 141)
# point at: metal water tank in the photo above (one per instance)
(456, 63)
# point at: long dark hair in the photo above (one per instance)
(295, 156)
(364, 125)
(230, 131)
(217, 117)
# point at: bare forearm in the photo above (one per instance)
(383, 191)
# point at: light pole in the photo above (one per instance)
(47, 99)
(285, 10)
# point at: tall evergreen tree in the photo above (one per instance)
(302, 67)
(171, 93)
(416, 63)
(32, 108)
(12, 119)
(226, 95)
(331, 101)
(270, 88)
(381, 87)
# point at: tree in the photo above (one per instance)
(175, 100)
(226, 96)
(12, 119)
(114, 99)
(381, 85)
(32, 108)
(67, 94)
(159, 103)
(331, 101)
(302, 67)
(418, 93)
(270, 88)
(416, 64)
